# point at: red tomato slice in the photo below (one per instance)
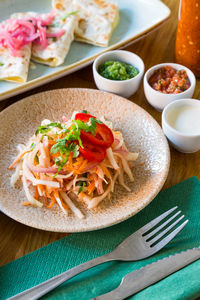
(83, 117)
(92, 152)
(103, 137)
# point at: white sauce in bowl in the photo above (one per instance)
(185, 119)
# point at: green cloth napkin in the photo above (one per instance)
(75, 249)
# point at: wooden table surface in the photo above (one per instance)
(17, 239)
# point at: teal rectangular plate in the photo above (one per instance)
(137, 18)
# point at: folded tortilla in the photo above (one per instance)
(54, 54)
(97, 19)
(14, 68)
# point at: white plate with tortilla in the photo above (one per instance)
(137, 18)
(141, 133)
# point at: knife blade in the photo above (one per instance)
(150, 274)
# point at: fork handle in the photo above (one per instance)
(48, 285)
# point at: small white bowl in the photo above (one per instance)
(159, 100)
(124, 88)
(183, 142)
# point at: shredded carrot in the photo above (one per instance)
(81, 195)
(141, 164)
(51, 142)
(78, 166)
(91, 187)
(45, 201)
(83, 165)
(26, 203)
(105, 170)
(36, 193)
(18, 159)
(52, 202)
(70, 160)
(35, 163)
(64, 204)
(79, 161)
(79, 158)
(55, 155)
(39, 186)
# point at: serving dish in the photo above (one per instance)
(186, 140)
(141, 133)
(124, 88)
(159, 100)
(137, 18)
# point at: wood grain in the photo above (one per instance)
(17, 239)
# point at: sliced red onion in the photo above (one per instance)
(90, 166)
(55, 34)
(51, 170)
(64, 119)
(99, 186)
(120, 150)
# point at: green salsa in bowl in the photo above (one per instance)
(117, 70)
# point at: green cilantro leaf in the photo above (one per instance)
(84, 111)
(36, 158)
(76, 151)
(64, 150)
(66, 145)
(47, 128)
(82, 186)
(1, 64)
(49, 137)
(42, 129)
(32, 146)
(69, 14)
(54, 25)
(55, 124)
(59, 147)
(93, 125)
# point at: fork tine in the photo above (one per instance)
(168, 238)
(151, 224)
(161, 226)
(157, 237)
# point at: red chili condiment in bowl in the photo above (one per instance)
(168, 80)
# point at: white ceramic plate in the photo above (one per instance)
(137, 18)
(141, 133)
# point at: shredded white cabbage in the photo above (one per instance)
(39, 169)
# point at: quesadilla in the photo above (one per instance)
(97, 19)
(14, 68)
(15, 52)
(56, 34)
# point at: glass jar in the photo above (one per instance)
(188, 35)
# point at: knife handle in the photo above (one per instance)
(47, 286)
(137, 280)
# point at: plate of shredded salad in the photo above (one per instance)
(78, 160)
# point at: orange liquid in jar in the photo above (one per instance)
(187, 50)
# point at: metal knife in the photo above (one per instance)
(150, 274)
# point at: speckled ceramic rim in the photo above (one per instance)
(152, 190)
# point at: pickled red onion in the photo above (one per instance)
(15, 34)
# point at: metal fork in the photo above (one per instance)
(137, 246)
